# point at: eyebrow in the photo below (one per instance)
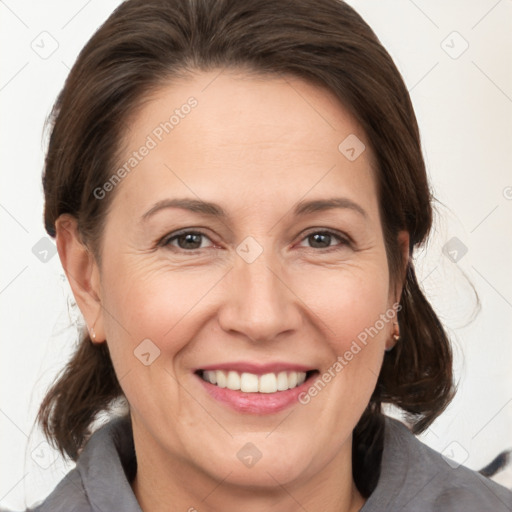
(215, 210)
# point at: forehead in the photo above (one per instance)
(239, 137)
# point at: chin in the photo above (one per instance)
(253, 461)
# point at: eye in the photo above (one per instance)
(193, 240)
(186, 240)
(323, 239)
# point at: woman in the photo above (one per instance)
(237, 190)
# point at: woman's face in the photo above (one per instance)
(280, 284)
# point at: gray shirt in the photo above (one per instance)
(413, 478)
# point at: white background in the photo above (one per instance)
(464, 108)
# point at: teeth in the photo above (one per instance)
(233, 381)
(251, 383)
(268, 383)
(221, 379)
(282, 381)
(210, 377)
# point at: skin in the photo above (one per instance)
(256, 146)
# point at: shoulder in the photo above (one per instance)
(68, 496)
(101, 478)
(417, 478)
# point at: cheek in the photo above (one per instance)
(351, 307)
(145, 313)
(349, 303)
(149, 302)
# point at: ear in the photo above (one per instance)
(83, 274)
(403, 242)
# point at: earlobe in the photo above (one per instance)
(82, 272)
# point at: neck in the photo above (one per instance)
(165, 482)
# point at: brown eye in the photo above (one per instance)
(187, 240)
(323, 240)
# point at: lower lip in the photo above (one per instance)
(256, 403)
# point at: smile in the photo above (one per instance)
(255, 389)
(253, 383)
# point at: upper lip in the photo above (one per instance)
(258, 368)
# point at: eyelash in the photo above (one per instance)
(343, 239)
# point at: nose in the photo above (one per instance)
(259, 303)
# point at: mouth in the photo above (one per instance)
(257, 390)
(246, 382)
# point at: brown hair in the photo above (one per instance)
(143, 45)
